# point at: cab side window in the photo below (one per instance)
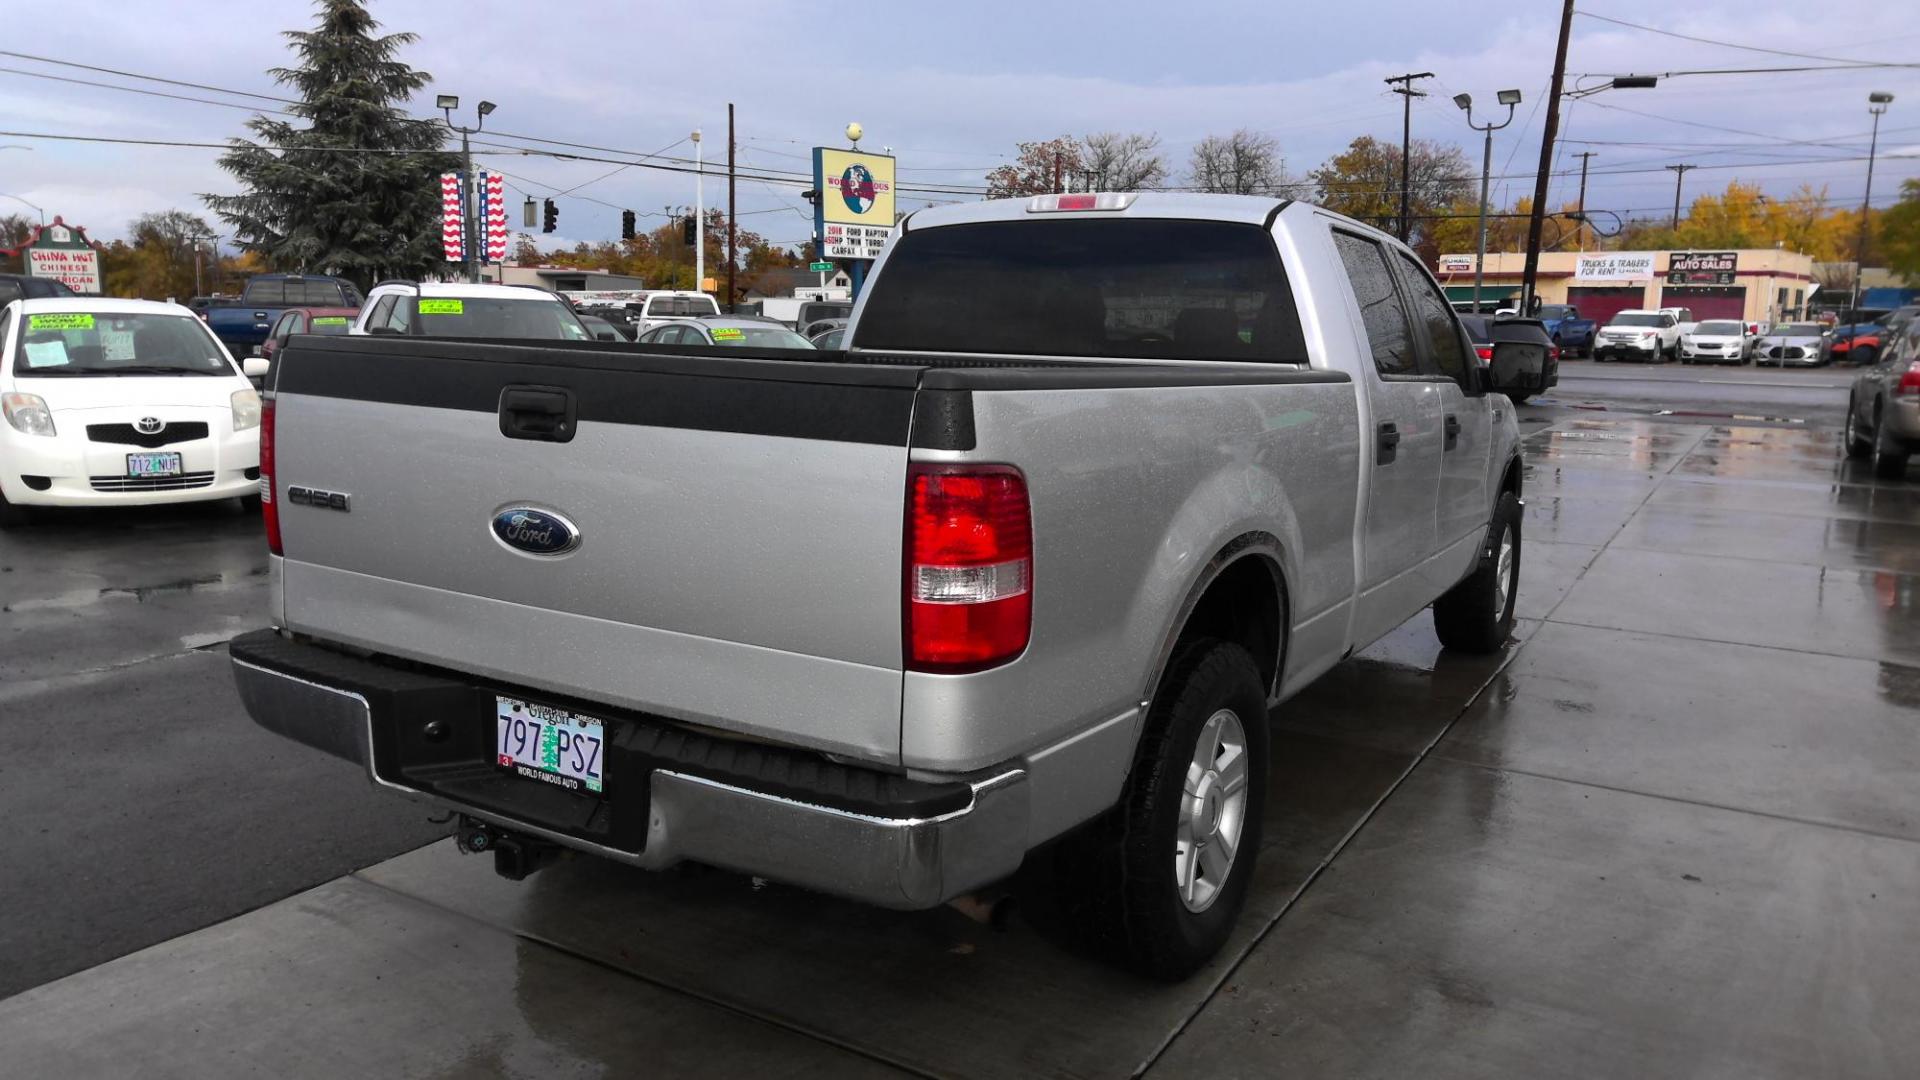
(1441, 329)
(382, 308)
(1389, 335)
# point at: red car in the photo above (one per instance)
(306, 320)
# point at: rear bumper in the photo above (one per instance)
(1902, 419)
(672, 795)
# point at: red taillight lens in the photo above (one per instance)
(969, 573)
(1484, 352)
(1553, 352)
(269, 510)
(1910, 381)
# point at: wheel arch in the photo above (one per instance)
(1240, 596)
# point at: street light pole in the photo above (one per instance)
(1509, 98)
(1407, 94)
(1877, 103)
(699, 213)
(1679, 174)
(469, 190)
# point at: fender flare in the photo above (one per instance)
(1248, 545)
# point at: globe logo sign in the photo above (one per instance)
(857, 188)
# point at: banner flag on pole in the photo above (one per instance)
(452, 218)
(494, 189)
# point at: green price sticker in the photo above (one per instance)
(333, 320)
(65, 320)
(728, 333)
(442, 307)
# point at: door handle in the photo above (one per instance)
(1452, 430)
(1389, 444)
(538, 413)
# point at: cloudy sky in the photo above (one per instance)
(952, 87)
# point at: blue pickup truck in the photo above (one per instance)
(241, 324)
(1572, 333)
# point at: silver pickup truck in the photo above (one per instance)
(1014, 580)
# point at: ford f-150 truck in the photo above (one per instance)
(244, 323)
(1015, 579)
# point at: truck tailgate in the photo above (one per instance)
(738, 524)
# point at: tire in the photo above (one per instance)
(1889, 457)
(249, 504)
(13, 515)
(1864, 356)
(1111, 888)
(1519, 397)
(1476, 616)
(1856, 444)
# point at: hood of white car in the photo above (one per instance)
(75, 393)
(1714, 339)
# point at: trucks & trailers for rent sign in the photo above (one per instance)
(1615, 266)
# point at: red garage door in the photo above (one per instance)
(1707, 301)
(1601, 302)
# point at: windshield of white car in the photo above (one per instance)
(1709, 329)
(93, 343)
(492, 317)
(1639, 320)
(1800, 329)
(1150, 288)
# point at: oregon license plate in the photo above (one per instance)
(551, 745)
(165, 463)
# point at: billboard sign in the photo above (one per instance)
(1702, 267)
(1615, 266)
(853, 213)
(453, 221)
(62, 252)
(1456, 264)
(852, 241)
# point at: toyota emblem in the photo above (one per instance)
(149, 425)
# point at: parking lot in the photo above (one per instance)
(1672, 829)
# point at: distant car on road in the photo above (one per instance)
(457, 309)
(26, 286)
(1639, 335)
(241, 324)
(1802, 344)
(114, 402)
(1715, 341)
(316, 320)
(1883, 408)
(1487, 331)
(726, 330)
(1569, 331)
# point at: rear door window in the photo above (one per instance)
(1389, 334)
(1145, 288)
(1436, 322)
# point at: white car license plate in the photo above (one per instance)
(551, 745)
(166, 463)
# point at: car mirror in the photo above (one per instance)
(383, 330)
(256, 366)
(605, 335)
(1517, 367)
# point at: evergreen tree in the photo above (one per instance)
(355, 192)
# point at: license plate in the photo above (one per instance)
(551, 745)
(166, 463)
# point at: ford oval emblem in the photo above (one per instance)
(536, 532)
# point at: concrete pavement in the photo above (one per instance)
(1671, 832)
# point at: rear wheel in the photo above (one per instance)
(1889, 454)
(1156, 883)
(1476, 615)
(1865, 356)
(1519, 397)
(1857, 444)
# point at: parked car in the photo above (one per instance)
(26, 286)
(1716, 341)
(1573, 334)
(1639, 335)
(317, 320)
(458, 309)
(614, 315)
(1683, 317)
(116, 402)
(820, 326)
(241, 324)
(1861, 343)
(601, 329)
(1488, 332)
(799, 311)
(660, 308)
(830, 339)
(1883, 407)
(1801, 344)
(1024, 594)
(733, 330)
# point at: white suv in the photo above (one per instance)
(661, 308)
(1639, 335)
(456, 309)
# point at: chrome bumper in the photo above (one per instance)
(890, 862)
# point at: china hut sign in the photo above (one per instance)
(62, 252)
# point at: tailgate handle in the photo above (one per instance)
(540, 413)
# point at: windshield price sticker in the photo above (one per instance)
(728, 333)
(64, 320)
(341, 320)
(442, 307)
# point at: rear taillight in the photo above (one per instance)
(969, 567)
(1910, 381)
(269, 510)
(1484, 352)
(1553, 352)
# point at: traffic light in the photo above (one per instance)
(687, 226)
(527, 213)
(552, 219)
(626, 225)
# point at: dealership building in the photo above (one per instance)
(1756, 284)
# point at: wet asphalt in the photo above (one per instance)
(1671, 831)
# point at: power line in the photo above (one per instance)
(1734, 45)
(147, 78)
(137, 90)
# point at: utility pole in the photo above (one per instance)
(1056, 172)
(1877, 103)
(732, 256)
(1584, 155)
(1679, 173)
(699, 213)
(1537, 219)
(1407, 94)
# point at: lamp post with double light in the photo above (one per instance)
(1509, 98)
(446, 103)
(1877, 103)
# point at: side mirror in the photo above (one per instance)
(256, 366)
(605, 335)
(1517, 367)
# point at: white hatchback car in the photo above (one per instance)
(458, 309)
(116, 402)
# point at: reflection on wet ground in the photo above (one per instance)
(1672, 831)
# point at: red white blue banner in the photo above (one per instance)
(493, 188)
(453, 220)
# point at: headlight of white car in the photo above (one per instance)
(246, 410)
(28, 413)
